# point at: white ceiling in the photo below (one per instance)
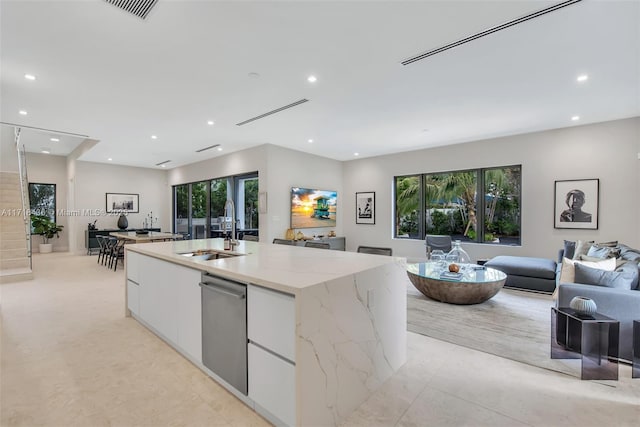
(116, 78)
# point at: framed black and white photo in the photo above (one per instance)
(122, 203)
(576, 204)
(366, 208)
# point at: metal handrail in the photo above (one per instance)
(24, 192)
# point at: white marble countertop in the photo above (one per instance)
(281, 267)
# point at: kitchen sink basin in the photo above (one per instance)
(208, 254)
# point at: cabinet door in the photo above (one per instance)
(271, 320)
(133, 297)
(189, 311)
(272, 384)
(132, 264)
(158, 297)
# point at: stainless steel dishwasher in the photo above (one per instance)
(224, 329)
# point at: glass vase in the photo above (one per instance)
(461, 256)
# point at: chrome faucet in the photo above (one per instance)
(233, 220)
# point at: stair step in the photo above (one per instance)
(6, 264)
(12, 243)
(13, 235)
(13, 253)
(15, 275)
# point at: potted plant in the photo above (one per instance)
(43, 226)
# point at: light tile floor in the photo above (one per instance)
(71, 358)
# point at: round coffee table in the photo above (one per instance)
(473, 287)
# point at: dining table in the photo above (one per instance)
(151, 236)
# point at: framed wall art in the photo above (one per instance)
(576, 204)
(366, 208)
(122, 203)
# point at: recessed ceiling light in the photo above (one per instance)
(163, 166)
(154, 137)
(219, 148)
(310, 141)
(22, 112)
(582, 78)
(110, 159)
(210, 122)
(312, 79)
(55, 139)
(575, 118)
(356, 154)
(46, 152)
(29, 77)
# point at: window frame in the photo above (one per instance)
(480, 202)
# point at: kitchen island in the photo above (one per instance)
(324, 328)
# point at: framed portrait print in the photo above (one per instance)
(366, 208)
(576, 204)
(122, 203)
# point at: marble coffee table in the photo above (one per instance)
(473, 287)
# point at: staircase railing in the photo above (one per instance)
(24, 192)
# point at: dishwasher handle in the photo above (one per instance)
(221, 290)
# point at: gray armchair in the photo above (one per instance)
(435, 242)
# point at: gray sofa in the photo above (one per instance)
(612, 299)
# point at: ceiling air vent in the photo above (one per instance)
(490, 31)
(207, 148)
(277, 110)
(139, 8)
(163, 163)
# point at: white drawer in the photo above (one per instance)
(272, 384)
(271, 320)
(133, 297)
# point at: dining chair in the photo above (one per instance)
(109, 243)
(117, 253)
(101, 247)
(375, 250)
(437, 241)
(284, 242)
(317, 245)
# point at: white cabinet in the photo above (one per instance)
(271, 320)
(272, 383)
(271, 327)
(133, 297)
(169, 301)
(133, 266)
(189, 312)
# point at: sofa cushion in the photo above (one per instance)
(625, 277)
(629, 254)
(599, 251)
(569, 248)
(567, 273)
(524, 266)
(582, 248)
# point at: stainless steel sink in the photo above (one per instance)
(208, 254)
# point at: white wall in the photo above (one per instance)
(278, 169)
(288, 168)
(93, 180)
(48, 169)
(608, 151)
(8, 153)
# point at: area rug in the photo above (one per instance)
(513, 324)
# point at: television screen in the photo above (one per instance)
(313, 208)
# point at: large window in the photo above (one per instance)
(199, 207)
(42, 199)
(448, 203)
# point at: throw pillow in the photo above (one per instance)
(582, 248)
(622, 278)
(568, 273)
(610, 244)
(569, 248)
(602, 252)
(619, 261)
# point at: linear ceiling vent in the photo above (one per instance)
(490, 31)
(163, 163)
(207, 148)
(139, 8)
(277, 110)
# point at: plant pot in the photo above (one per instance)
(46, 248)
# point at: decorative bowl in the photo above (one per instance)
(583, 305)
